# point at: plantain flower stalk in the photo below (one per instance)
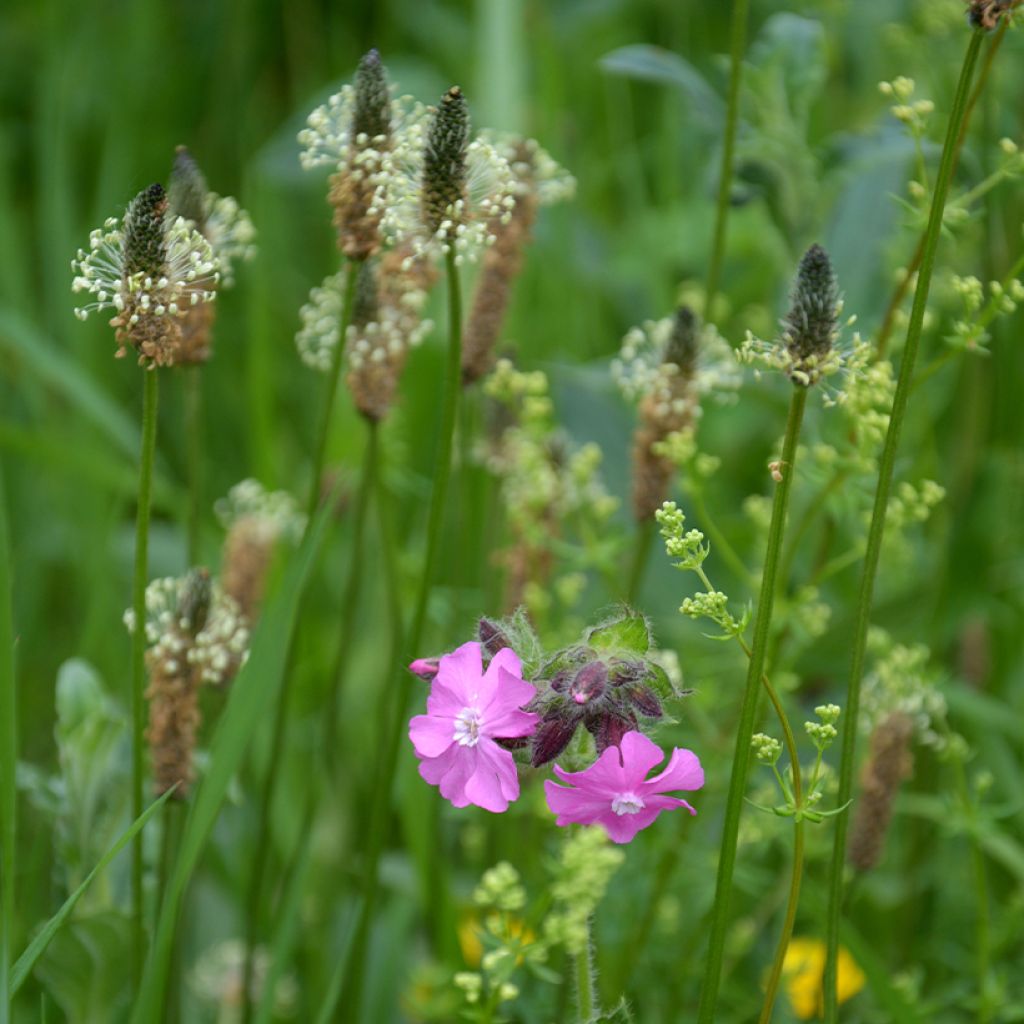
(150, 268)
(538, 181)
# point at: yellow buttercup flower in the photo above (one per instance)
(803, 971)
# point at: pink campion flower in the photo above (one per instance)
(467, 710)
(615, 792)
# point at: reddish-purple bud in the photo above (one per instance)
(514, 743)
(425, 668)
(645, 700)
(553, 736)
(590, 683)
(608, 730)
(492, 636)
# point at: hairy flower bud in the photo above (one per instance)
(491, 636)
(986, 13)
(812, 323)
(444, 160)
(590, 683)
(553, 735)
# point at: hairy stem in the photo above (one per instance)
(877, 528)
(585, 982)
(150, 400)
(388, 763)
(740, 17)
(745, 728)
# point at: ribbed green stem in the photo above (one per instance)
(740, 17)
(877, 528)
(388, 763)
(745, 728)
(277, 741)
(350, 598)
(333, 377)
(194, 446)
(150, 399)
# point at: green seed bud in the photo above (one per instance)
(195, 601)
(144, 249)
(187, 191)
(444, 163)
(373, 103)
(365, 308)
(812, 321)
(684, 340)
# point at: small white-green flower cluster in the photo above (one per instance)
(807, 612)
(217, 651)
(901, 681)
(230, 232)
(687, 546)
(641, 370)
(277, 512)
(913, 113)
(535, 170)
(766, 749)
(190, 272)
(501, 888)
(824, 732)
(585, 869)
(970, 331)
(912, 504)
(376, 342)
(468, 225)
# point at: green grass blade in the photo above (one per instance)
(8, 760)
(330, 1003)
(252, 698)
(38, 945)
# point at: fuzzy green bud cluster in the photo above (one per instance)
(766, 749)
(501, 888)
(585, 869)
(686, 546)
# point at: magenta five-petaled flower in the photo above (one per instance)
(467, 710)
(615, 792)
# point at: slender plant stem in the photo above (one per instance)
(889, 319)
(388, 763)
(877, 528)
(585, 981)
(772, 985)
(740, 17)
(277, 741)
(745, 728)
(641, 552)
(349, 600)
(150, 400)
(194, 444)
(8, 765)
(333, 377)
(718, 539)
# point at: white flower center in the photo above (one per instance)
(627, 803)
(467, 727)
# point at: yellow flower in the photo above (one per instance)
(804, 969)
(512, 931)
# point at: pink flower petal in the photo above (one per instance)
(460, 672)
(504, 767)
(668, 803)
(431, 736)
(510, 691)
(605, 777)
(682, 772)
(573, 807)
(512, 724)
(484, 788)
(434, 769)
(621, 828)
(639, 756)
(453, 783)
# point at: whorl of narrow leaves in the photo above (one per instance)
(372, 116)
(187, 191)
(444, 163)
(195, 602)
(144, 247)
(365, 308)
(683, 341)
(812, 321)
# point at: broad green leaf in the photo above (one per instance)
(36, 947)
(251, 701)
(653, 64)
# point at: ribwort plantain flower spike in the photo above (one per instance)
(444, 159)
(150, 268)
(811, 326)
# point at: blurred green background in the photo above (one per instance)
(95, 96)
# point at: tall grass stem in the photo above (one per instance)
(150, 402)
(194, 445)
(876, 530)
(745, 728)
(8, 764)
